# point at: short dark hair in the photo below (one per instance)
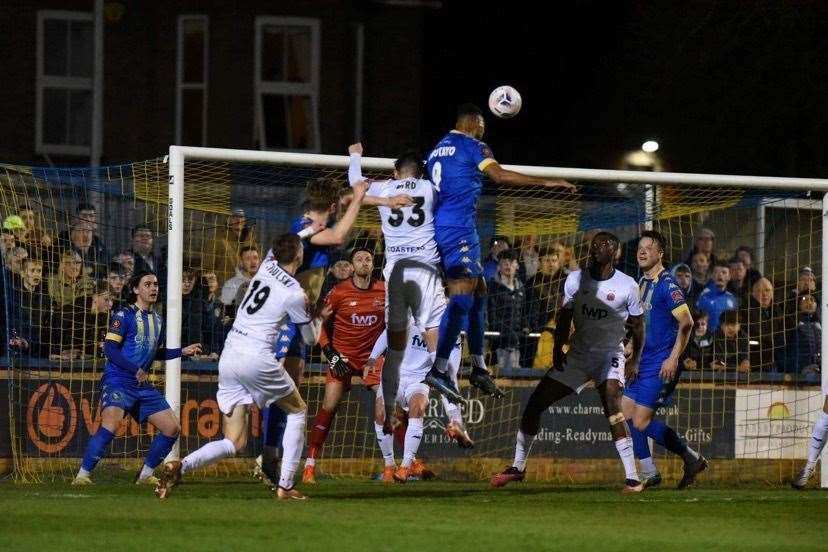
(735, 260)
(117, 268)
(84, 207)
(657, 237)
(356, 250)
(721, 264)
(410, 160)
(139, 227)
(507, 255)
(683, 268)
(135, 281)
(607, 235)
(746, 248)
(729, 317)
(286, 248)
(188, 271)
(468, 110)
(247, 248)
(29, 260)
(698, 314)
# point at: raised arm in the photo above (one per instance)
(372, 197)
(339, 233)
(512, 178)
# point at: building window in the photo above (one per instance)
(287, 83)
(65, 52)
(191, 80)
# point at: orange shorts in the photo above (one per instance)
(374, 378)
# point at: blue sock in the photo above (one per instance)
(666, 436)
(96, 448)
(477, 325)
(640, 445)
(159, 449)
(453, 322)
(274, 420)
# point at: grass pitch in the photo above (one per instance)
(361, 515)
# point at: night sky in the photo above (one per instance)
(736, 87)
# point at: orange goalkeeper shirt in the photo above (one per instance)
(357, 320)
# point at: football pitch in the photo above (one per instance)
(360, 515)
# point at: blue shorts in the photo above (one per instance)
(289, 342)
(460, 251)
(140, 402)
(649, 390)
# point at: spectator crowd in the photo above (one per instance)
(59, 290)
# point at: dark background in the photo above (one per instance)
(730, 87)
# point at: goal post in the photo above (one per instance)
(710, 192)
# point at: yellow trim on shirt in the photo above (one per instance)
(112, 336)
(680, 309)
(485, 163)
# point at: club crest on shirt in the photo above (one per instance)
(611, 296)
(116, 324)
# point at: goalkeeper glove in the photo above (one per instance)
(337, 363)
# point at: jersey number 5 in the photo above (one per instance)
(259, 297)
(417, 214)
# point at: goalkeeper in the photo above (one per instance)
(348, 336)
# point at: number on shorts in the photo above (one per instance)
(259, 297)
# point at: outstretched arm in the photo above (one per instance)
(512, 178)
(337, 235)
(372, 197)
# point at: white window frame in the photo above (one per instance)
(310, 89)
(66, 83)
(181, 85)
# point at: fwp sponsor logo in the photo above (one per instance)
(594, 313)
(364, 319)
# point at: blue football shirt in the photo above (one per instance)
(455, 166)
(139, 334)
(662, 299)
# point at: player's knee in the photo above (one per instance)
(239, 441)
(173, 429)
(298, 420)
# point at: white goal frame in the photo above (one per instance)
(175, 254)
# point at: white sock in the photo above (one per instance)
(522, 449)
(293, 443)
(440, 364)
(478, 362)
(818, 437)
(82, 473)
(413, 436)
(208, 454)
(146, 471)
(453, 411)
(391, 380)
(647, 465)
(625, 451)
(386, 445)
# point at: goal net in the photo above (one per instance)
(747, 402)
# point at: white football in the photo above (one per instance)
(505, 102)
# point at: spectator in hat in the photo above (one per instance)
(221, 253)
(497, 245)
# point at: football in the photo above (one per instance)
(505, 102)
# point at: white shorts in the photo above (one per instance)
(410, 386)
(250, 377)
(415, 287)
(597, 367)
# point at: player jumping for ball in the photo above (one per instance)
(456, 165)
(602, 301)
